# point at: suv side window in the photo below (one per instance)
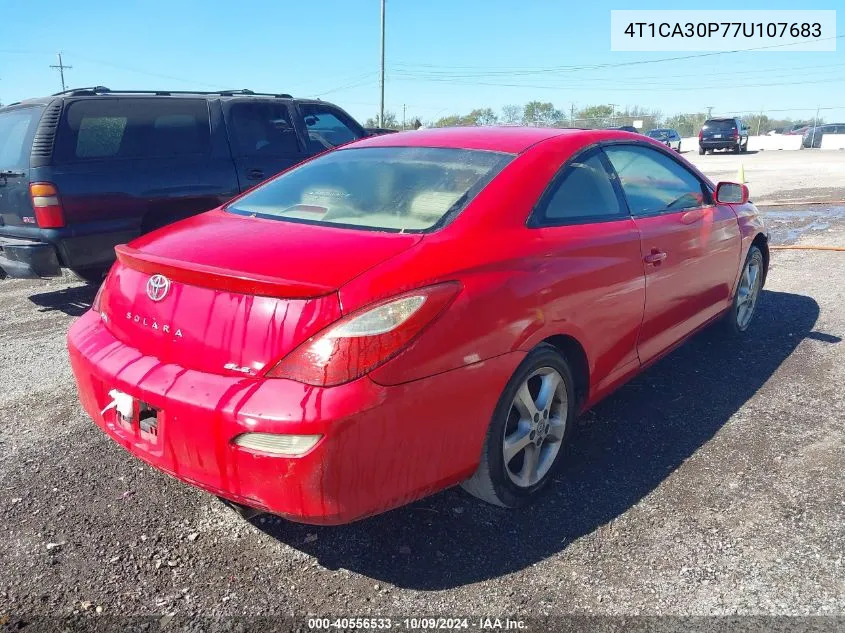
(328, 127)
(653, 182)
(133, 128)
(262, 128)
(582, 192)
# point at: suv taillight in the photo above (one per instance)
(48, 208)
(736, 133)
(700, 134)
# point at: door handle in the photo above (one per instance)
(655, 257)
(255, 174)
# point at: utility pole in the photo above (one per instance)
(612, 114)
(403, 116)
(381, 74)
(709, 111)
(571, 115)
(815, 125)
(61, 67)
(760, 119)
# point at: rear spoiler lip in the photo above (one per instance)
(217, 278)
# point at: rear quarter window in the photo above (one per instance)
(133, 128)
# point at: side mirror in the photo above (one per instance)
(731, 193)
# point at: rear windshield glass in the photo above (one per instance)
(659, 133)
(17, 127)
(388, 188)
(719, 126)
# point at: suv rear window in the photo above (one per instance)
(388, 188)
(17, 127)
(133, 128)
(719, 126)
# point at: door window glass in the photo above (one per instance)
(654, 182)
(262, 128)
(328, 128)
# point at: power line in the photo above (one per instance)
(553, 69)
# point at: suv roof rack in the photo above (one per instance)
(95, 90)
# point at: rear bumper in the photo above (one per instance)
(720, 143)
(30, 254)
(28, 259)
(381, 447)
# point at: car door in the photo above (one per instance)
(690, 246)
(592, 272)
(186, 164)
(262, 137)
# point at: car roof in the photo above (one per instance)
(99, 92)
(512, 140)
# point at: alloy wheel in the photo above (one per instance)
(535, 427)
(747, 293)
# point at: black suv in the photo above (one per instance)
(726, 133)
(86, 169)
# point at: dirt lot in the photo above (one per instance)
(780, 176)
(712, 484)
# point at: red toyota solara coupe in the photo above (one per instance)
(409, 312)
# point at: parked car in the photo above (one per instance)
(626, 128)
(410, 312)
(668, 136)
(798, 128)
(813, 135)
(86, 169)
(723, 133)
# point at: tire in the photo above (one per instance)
(743, 148)
(679, 147)
(736, 321)
(494, 481)
(701, 151)
(92, 275)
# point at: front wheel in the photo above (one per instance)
(530, 426)
(679, 147)
(738, 317)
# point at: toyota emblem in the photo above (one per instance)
(157, 287)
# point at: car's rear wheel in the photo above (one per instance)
(531, 423)
(679, 147)
(738, 318)
(701, 150)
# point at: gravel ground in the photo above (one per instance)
(780, 176)
(712, 484)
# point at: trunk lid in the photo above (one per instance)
(238, 293)
(17, 129)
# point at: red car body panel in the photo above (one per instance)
(374, 455)
(247, 291)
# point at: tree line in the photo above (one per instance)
(545, 114)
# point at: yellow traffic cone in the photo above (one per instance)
(741, 174)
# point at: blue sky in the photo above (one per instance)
(443, 56)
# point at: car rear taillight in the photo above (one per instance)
(47, 205)
(365, 339)
(700, 134)
(736, 134)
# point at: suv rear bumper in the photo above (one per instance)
(28, 259)
(730, 143)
